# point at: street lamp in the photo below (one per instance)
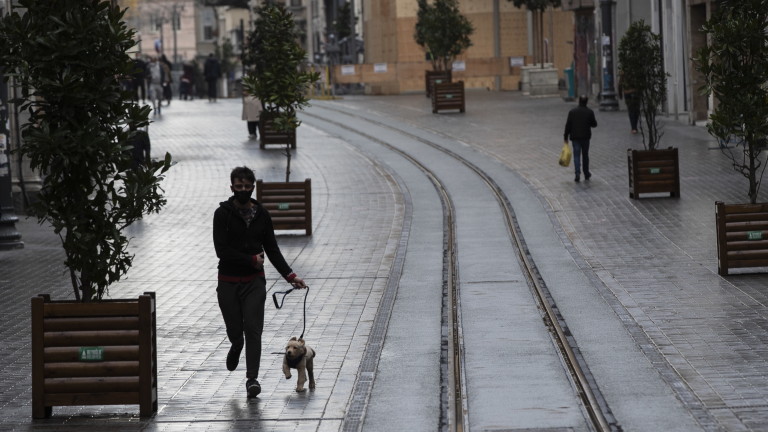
(608, 100)
(9, 237)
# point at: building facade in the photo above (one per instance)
(503, 37)
(678, 22)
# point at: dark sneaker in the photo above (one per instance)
(252, 387)
(233, 357)
(587, 176)
(576, 179)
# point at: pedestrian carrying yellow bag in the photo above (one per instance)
(565, 155)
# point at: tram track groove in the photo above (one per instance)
(593, 402)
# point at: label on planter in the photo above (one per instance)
(449, 96)
(438, 81)
(754, 235)
(91, 354)
(655, 170)
(283, 206)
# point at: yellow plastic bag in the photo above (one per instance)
(565, 155)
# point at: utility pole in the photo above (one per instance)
(608, 100)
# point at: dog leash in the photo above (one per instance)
(280, 304)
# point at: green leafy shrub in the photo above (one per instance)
(274, 58)
(735, 69)
(442, 31)
(67, 57)
(642, 69)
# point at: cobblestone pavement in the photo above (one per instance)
(705, 333)
(356, 209)
(655, 257)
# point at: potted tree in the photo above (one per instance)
(538, 80)
(735, 69)
(651, 170)
(275, 59)
(443, 32)
(67, 57)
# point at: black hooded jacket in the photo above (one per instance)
(237, 244)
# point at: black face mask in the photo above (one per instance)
(243, 197)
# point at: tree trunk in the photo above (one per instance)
(288, 163)
(752, 174)
(75, 286)
(89, 292)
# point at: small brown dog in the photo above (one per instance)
(300, 357)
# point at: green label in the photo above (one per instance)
(438, 81)
(655, 170)
(449, 96)
(283, 206)
(754, 235)
(91, 354)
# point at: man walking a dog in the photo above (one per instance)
(242, 234)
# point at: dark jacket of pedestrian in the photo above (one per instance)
(237, 244)
(141, 150)
(212, 69)
(580, 122)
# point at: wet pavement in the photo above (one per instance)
(655, 257)
(652, 261)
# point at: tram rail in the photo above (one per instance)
(456, 414)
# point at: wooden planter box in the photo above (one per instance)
(653, 171)
(448, 96)
(432, 77)
(100, 353)
(289, 204)
(742, 236)
(269, 135)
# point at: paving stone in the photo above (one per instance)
(345, 262)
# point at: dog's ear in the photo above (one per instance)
(301, 341)
(293, 338)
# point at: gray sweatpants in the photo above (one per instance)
(242, 306)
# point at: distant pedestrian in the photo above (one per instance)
(632, 98)
(251, 112)
(139, 78)
(158, 74)
(242, 233)
(141, 146)
(167, 90)
(186, 82)
(212, 73)
(578, 128)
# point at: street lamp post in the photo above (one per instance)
(9, 237)
(608, 100)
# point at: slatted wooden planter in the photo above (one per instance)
(289, 204)
(448, 96)
(653, 171)
(742, 236)
(100, 353)
(432, 77)
(269, 135)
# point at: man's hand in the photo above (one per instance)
(298, 282)
(259, 261)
